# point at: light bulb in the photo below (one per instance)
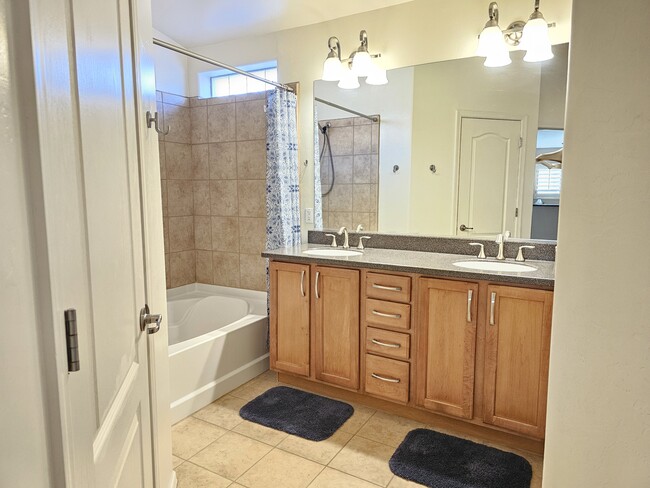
(332, 69)
(349, 81)
(493, 47)
(377, 76)
(361, 63)
(535, 39)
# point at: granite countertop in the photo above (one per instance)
(425, 263)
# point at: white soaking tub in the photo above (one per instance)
(217, 342)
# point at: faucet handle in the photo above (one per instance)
(481, 253)
(333, 244)
(520, 254)
(360, 246)
(359, 228)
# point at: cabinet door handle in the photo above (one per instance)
(387, 315)
(386, 344)
(470, 296)
(493, 299)
(385, 378)
(389, 288)
(302, 283)
(316, 285)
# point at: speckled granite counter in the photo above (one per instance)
(425, 263)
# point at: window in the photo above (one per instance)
(548, 177)
(235, 84)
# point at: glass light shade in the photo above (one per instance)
(536, 41)
(332, 69)
(349, 81)
(377, 76)
(362, 63)
(490, 40)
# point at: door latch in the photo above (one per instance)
(72, 339)
(149, 322)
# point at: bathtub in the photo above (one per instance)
(217, 342)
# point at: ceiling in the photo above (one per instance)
(201, 22)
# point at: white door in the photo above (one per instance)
(488, 183)
(111, 415)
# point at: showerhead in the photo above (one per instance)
(323, 128)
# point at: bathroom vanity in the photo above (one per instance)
(411, 333)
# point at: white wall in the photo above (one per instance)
(24, 459)
(417, 32)
(394, 102)
(171, 68)
(598, 429)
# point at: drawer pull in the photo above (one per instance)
(386, 344)
(384, 378)
(387, 315)
(389, 288)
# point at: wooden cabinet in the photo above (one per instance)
(517, 343)
(336, 326)
(289, 318)
(447, 323)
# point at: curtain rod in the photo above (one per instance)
(180, 50)
(374, 118)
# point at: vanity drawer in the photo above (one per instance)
(388, 287)
(388, 314)
(388, 343)
(387, 378)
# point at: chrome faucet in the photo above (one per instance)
(346, 243)
(501, 239)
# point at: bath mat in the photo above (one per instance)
(297, 412)
(444, 461)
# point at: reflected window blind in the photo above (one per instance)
(547, 182)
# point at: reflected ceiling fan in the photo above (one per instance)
(551, 160)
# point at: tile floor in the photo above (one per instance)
(216, 448)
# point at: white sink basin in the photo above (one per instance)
(332, 253)
(495, 266)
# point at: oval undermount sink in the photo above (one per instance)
(332, 253)
(495, 266)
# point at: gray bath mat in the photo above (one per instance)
(297, 412)
(443, 461)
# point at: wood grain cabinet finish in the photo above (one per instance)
(517, 344)
(387, 378)
(388, 287)
(445, 359)
(289, 318)
(336, 326)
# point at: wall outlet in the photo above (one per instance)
(309, 216)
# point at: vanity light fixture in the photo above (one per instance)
(531, 36)
(359, 63)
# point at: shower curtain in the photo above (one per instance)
(282, 184)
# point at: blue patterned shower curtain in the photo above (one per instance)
(282, 183)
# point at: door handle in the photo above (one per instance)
(316, 285)
(302, 283)
(149, 322)
(493, 299)
(470, 296)
(463, 227)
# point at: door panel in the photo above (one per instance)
(336, 327)
(121, 439)
(488, 183)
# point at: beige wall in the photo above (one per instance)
(412, 33)
(171, 68)
(598, 429)
(213, 171)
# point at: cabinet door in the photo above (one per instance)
(447, 346)
(289, 326)
(336, 326)
(517, 342)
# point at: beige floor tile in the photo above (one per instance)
(192, 476)
(365, 459)
(321, 452)
(261, 433)
(388, 429)
(253, 388)
(281, 469)
(224, 412)
(231, 455)
(191, 435)
(360, 417)
(269, 375)
(176, 461)
(398, 482)
(331, 478)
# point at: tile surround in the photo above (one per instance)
(213, 172)
(216, 447)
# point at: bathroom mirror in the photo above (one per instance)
(454, 151)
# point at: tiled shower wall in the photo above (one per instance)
(213, 171)
(355, 148)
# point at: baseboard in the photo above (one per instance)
(198, 399)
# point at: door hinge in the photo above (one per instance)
(521, 142)
(516, 212)
(71, 339)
